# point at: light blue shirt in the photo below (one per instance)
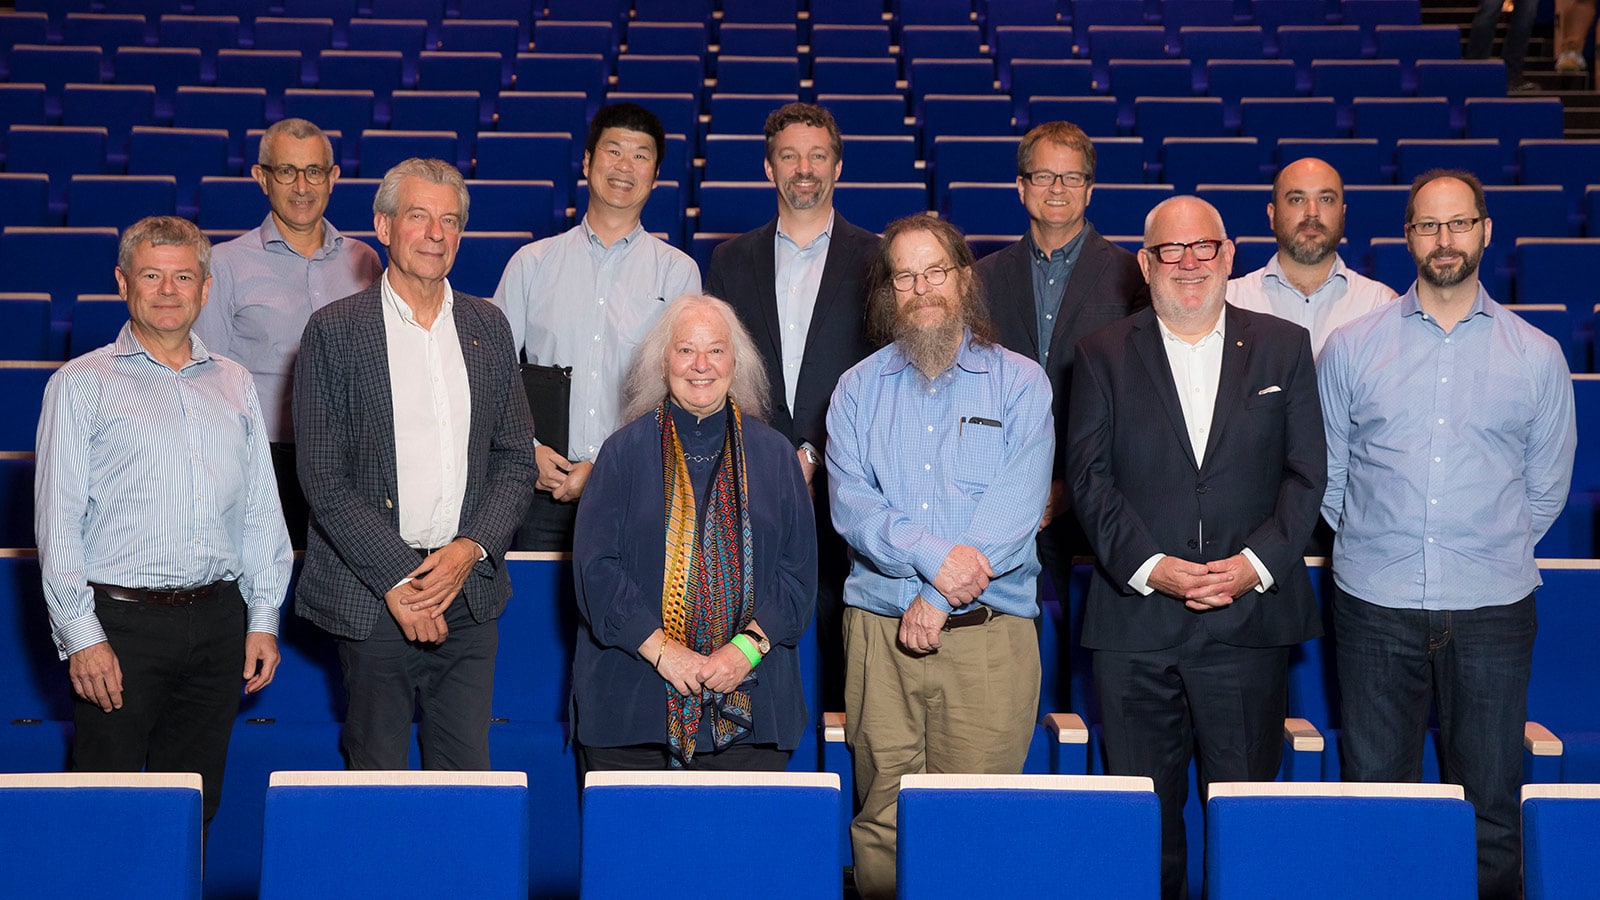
(262, 293)
(1449, 454)
(572, 301)
(799, 276)
(919, 466)
(1343, 296)
(150, 478)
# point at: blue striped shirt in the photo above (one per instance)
(919, 466)
(1449, 454)
(151, 478)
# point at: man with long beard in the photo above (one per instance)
(1451, 436)
(1307, 281)
(939, 450)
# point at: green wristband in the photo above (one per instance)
(748, 648)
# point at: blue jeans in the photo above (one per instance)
(1474, 665)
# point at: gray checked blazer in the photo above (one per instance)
(344, 431)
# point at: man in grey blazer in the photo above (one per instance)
(416, 453)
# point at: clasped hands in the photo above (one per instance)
(1203, 586)
(721, 670)
(962, 577)
(419, 603)
(560, 476)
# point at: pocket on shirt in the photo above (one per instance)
(979, 452)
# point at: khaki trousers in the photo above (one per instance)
(968, 708)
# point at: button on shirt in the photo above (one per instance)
(918, 466)
(1343, 296)
(799, 275)
(262, 293)
(572, 301)
(432, 419)
(150, 478)
(1449, 454)
(1050, 274)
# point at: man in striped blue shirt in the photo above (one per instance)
(161, 539)
(939, 452)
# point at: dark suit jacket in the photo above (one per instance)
(344, 429)
(743, 271)
(1104, 286)
(1139, 492)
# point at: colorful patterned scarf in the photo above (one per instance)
(708, 588)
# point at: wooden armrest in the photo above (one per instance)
(1066, 728)
(1539, 740)
(1302, 735)
(833, 727)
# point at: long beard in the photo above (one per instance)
(931, 349)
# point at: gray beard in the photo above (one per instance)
(931, 350)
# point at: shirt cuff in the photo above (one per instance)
(1141, 578)
(1261, 571)
(935, 599)
(262, 617)
(79, 634)
(929, 554)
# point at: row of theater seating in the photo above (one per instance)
(1330, 841)
(294, 723)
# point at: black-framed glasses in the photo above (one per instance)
(287, 174)
(1456, 226)
(1044, 178)
(933, 275)
(1171, 252)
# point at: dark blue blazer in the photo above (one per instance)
(1138, 490)
(344, 434)
(618, 555)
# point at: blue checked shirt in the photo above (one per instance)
(1449, 454)
(150, 478)
(917, 467)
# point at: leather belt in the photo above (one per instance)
(980, 616)
(161, 596)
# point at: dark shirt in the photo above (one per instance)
(1050, 273)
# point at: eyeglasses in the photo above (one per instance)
(1046, 179)
(1171, 253)
(287, 174)
(933, 275)
(1456, 226)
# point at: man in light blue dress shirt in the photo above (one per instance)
(1451, 436)
(161, 543)
(939, 451)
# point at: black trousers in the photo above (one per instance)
(651, 757)
(548, 525)
(296, 513)
(181, 680)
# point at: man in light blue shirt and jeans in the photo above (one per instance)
(939, 452)
(1451, 436)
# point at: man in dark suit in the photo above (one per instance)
(798, 284)
(416, 452)
(1060, 283)
(1198, 465)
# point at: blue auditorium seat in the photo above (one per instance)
(679, 74)
(1038, 42)
(54, 66)
(1020, 14)
(104, 30)
(745, 113)
(1306, 43)
(1346, 79)
(16, 530)
(1413, 43)
(339, 11)
(1273, 118)
(865, 40)
(1119, 160)
(1591, 206)
(1032, 78)
(564, 72)
(26, 336)
(614, 11)
(873, 205)
(1339, 841)
(1088, 14)
(868, 113)
(274, 70)
(988, 207)
(57, 151)
(981, 159)
(512, 206)
(144, 827)
(552, 111)
(234, 203)
(208, 33)
(1457, 80)
(1357, 160)
(845, 12)
(1376, 211)
(20, 104)
(497, 36)
(766, 39)
(1234, 79)
(381, 150)
(679, 112)
(575, 37)
(1157, 118)
(25, 199)
(1546, 266)
(515, 10)
(853, 75)
(407, 36)
(1371, 14)
(1120, 856)
(1131, 78)
(1204, 44)
(306, 36)
(442, 70)
(735, 207)
(117, 201)
(941, 42)
(965, 114)
(934, 12)
(380, 71)
(1482, 158)
(757, 75)
(1562, 693)
(1251, 253)
(514, 156)
(1560, 829)
(1513, 119)
(478, 820)
(1392, 118)
(1177, 15)
(738, 157)
(1571, 164)
(345, 111)
(23, 28)
(1097, 116)
(21, 395)
(97, 319)
(483, 256)
(455, 111)
(973, 77)
(164, 68)
(1276, 15)
(1528, 210)
(794, 843)
(236, 110)
(1188, 161)
(1121, 208)
(430, 10)
(116, 107)
(668, 38)
(187, 153)
(1107, 42)
(673, 10)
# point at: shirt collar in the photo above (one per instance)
(1217, 332)
(272, 235)
(968, 357)
(403, 309)
(128, 345)
(1275, 271)
(823, 238)
(1067, 250)
(594, 239)
(1482, 304)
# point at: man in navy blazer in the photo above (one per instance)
(798, 283)
(416, 453)
(1060, 283)
(1198, 464)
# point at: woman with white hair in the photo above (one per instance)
(695, 562)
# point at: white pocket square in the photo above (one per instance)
(1271, 390)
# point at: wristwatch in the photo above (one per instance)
(763, 646)
(811, 455)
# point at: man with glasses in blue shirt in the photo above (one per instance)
(1451, 435)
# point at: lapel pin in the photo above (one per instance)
(1235, 343)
